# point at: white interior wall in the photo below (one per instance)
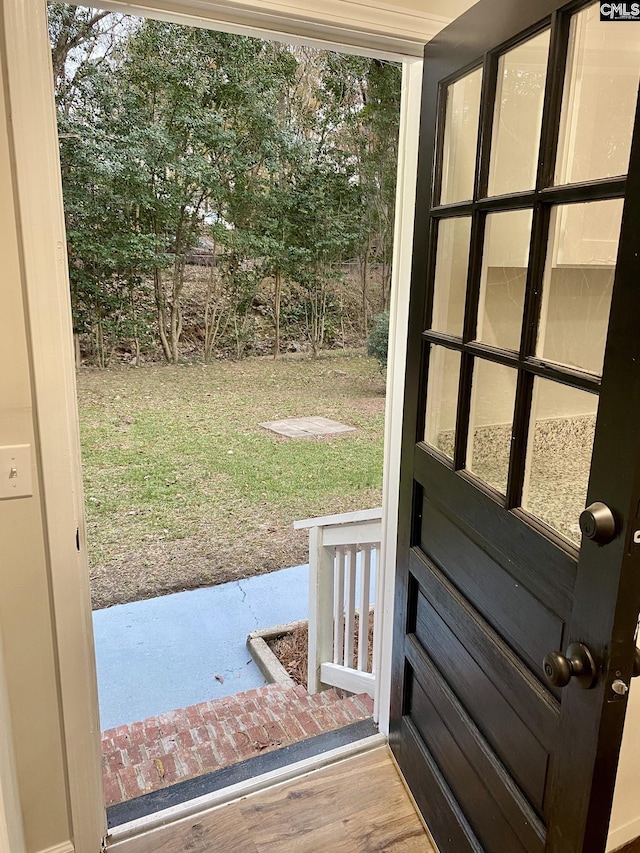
(452, 265)
(520, 94)
(575, 316)
(578, 323)
(460, 134)
(599, 109)
(625, 815)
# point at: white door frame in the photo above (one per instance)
(329, 23)
(11, 829)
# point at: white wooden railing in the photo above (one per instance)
(344, 573)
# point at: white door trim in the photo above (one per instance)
(33, 138)
(370, 28)
(398, 330)
(39, 199)
(11, 829)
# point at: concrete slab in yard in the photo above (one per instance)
(164, 653)
(306, 427)
(156, 655)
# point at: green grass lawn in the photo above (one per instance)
(183, 488)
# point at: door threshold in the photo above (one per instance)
(188, 790)
(199, 805)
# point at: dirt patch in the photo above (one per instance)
(163, 567)
(291, 650)
(370, 405)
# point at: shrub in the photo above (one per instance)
(378, 340)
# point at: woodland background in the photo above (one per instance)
(224, 196)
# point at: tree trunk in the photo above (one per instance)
(323, 318)
(76, 349)
(213, 313)
(386, 285)
(364, 274)
(236, 331)
(100, 345)
(161, 312)
(276, 313)
(134, 321)
(318, 311)
(364, 281)
(176, 311)
(179, 265)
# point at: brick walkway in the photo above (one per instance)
(157, 752)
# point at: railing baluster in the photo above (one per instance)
(377, 611)
(363, 627)
(338, 607)
(350, 606)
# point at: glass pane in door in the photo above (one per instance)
(561, 434)
(504, 275)
(442, 399)
(578, 282)
(600, 92)
(461, 138)
(492, 406)
(450, 284)
(522, 74)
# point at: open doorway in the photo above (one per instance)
(110, 318)
(45, 284)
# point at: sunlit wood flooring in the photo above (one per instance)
(358, 805)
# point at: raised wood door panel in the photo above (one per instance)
(492, 574)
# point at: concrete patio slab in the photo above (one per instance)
(178, 650)
(164, 653)
(315, 427)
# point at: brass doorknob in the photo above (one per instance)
(578, 663)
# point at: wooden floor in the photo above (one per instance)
(358, 805)
(631, 847)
